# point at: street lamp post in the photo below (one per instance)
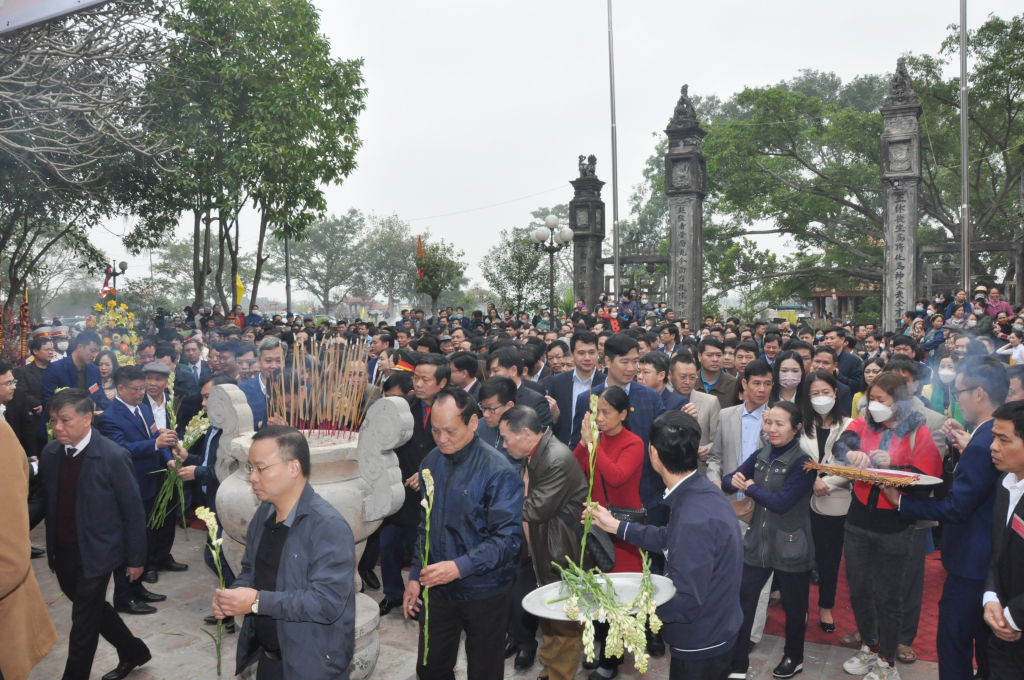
(551, 239)
(113, 274)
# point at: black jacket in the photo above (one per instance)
(410, 455)
(559, 388)
(206, 475)
(110, 517)
(21, 415)
(527, 396)
(1006, 576)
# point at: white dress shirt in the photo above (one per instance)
(159, 412)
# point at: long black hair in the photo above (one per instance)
(776, 395)
(812, 418)
(618, 400)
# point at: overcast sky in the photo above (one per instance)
(477, 103)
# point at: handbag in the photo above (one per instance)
(632, 515)
(599, 544)
(744, 509)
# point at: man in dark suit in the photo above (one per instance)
(508, 361)
(86, 480)
(652, 372)
(201, 467)
(564, 388)
(30, 392)
(193, 363)
(851, 368)
(128, 422)
(1004, 589)
(80, 373)
(398, 534)
(463, 367)
(270, 360)
(967, 515)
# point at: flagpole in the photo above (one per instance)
(615, 163)
(965, 196)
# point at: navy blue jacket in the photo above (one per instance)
(966, 510)
(477, 521)
(257, 401)
(644, 406)
(559, 387)
(704, 558)
(64, 374)
(119, 424)
(314, 604)
(110, 519)
(851, 371)
(206, 475)
(672, 401)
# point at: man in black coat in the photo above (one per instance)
(1004, 596)
(398, 534)
(564, 388)
(508, 362)
(86, 480)
(28, 396)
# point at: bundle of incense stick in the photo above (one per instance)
(326, 394)
(859, 475)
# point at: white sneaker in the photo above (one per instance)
(883, 671)
(861, 663)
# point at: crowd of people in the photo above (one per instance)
(703, 442)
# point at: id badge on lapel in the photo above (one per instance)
(1017, 524)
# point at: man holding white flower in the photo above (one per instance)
(297, 584)
(473, 544)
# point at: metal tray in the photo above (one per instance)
(626, 584)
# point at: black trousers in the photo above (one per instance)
(1005, 659)
(713, 668)
(483, 621)
(269, 669)
(962, 632)
(158, 551)
(828, 533)
(91, 617)
(522, 626)
(795, 587)
(913, 588)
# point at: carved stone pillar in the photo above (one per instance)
(686, 185)
(901, 176)
(586, 217)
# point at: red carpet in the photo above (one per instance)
(924, 644)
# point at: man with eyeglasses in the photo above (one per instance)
(296, 589)
(7, 385)
(128, 421)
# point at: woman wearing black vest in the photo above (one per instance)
(779, 539)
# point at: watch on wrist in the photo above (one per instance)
(256, 605)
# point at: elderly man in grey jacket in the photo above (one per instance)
(296, 587)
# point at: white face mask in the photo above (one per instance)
(880, 412)
(971, 323)
(789, 380)
(62, 346)
(822, 405)
(947, 375)
(614, 314)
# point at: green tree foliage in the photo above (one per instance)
(258, 112)
(515, 270)
(439, 268)
(387, 250)
(328, 261)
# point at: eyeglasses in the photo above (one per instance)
(258, 469)
(9, 383)
(131, 388)
(490, 409)
(954, 393)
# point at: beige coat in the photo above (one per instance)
(810, 447)
(727, 447)
(708, 411)
(25, 626)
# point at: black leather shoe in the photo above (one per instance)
(171, 565)
(134, 607)
(147, 596)
(126, 667)
(828, 627)
(815, 577)
(37, 552)
(524, 659)
(370, 579)
(387, 605)
(597, 676)
(150, 576)
(229, 624)
(655, 645)
(510, 650)
(788, 667)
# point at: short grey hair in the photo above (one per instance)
(267, 343)
(519, 418)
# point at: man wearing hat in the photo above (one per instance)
(61, 337)
(128, 421)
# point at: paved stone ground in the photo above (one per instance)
(182, 651)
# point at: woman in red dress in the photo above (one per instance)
(620, 457)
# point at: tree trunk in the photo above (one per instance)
(433, 307)
(198, 262)
(221, 228)
(259, 257)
